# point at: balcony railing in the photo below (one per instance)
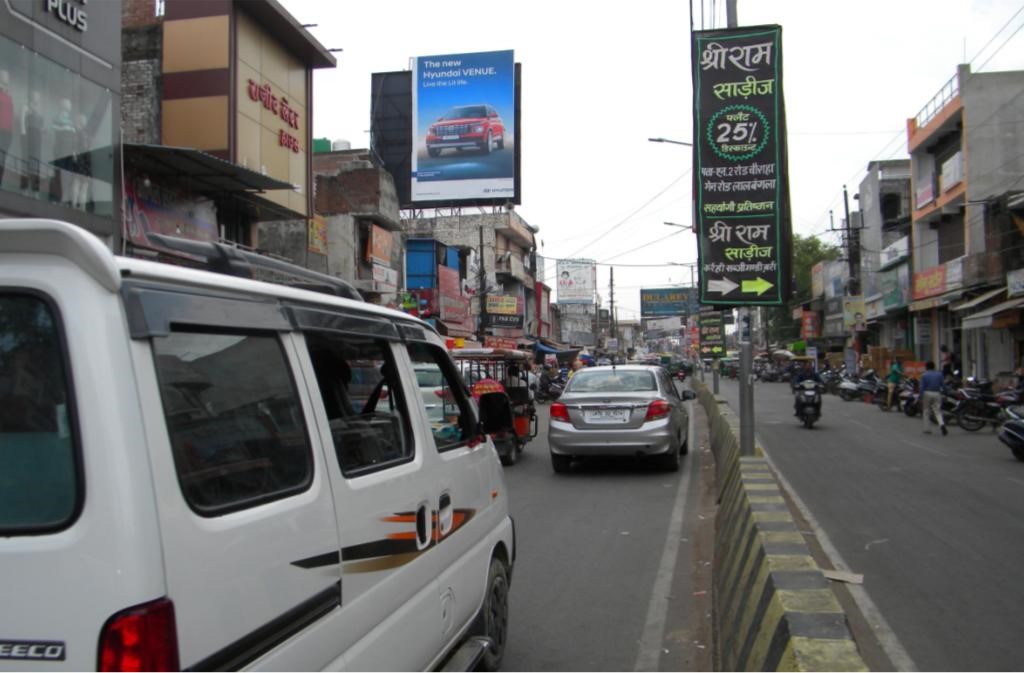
(948, 92)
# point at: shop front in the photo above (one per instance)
(236, 86)
(60, 69)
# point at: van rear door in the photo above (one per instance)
(250, 538)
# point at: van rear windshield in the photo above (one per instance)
(39, 484)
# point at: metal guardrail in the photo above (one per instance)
(949, 90)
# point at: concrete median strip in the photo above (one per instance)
(773, 607)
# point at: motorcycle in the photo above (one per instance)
(549, 391)
(808, 402)
(981, 406)
(854, 388)
(1011, 432)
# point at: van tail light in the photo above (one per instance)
(657, 409)
(559, 412)
(142, 638)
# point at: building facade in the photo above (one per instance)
(217, 119)
(60, 92)
(967, 156)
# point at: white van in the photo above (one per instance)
(203, 471)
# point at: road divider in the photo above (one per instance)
(773, 606)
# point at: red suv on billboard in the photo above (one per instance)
(467, 127)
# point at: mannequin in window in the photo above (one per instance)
(6, 120)
(64, 152)
(83, 165)
(32, 140)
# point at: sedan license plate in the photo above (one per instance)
(449, 137)
(606, 415)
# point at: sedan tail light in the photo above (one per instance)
(559, 412)
(657, 409)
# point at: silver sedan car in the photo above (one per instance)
(622, 410)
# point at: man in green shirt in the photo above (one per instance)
(893, 379)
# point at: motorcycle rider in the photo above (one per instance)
(804, 373)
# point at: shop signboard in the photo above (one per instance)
(712, 335)
(818, 280)
(810, 325)
(853, 314)
(318, 235)
(930, 283)
(894, 253)
(1015, 283)
(464, 131)
(739, 156)
(503, 320)
(577, 281)
(502, 304)
(680, 301)
(385, 279)
(834, 307)
(834, 326)
(895, 286)
(454, 306)
(835, 279)
(379, 245)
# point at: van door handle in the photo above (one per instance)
(422, 526)
(445, 514)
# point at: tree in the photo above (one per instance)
(807, 251)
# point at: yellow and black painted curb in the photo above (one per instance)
(773, 607)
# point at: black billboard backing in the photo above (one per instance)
(391, 137)
(740, 172)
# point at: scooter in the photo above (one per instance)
(1011, 432)
(808, 402)
(552, 391)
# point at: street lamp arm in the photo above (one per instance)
(666, 140)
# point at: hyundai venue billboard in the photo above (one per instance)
(464, 127)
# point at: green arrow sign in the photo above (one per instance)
(758, 285)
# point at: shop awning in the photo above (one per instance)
(984, 318)
(980, 299)
(197, 170)
(933, 302)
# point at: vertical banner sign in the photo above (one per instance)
(712, 335)
(740, 174)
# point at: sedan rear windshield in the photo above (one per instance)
(39, 471)
(612, 382)
(467, 112)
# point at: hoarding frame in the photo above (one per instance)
(391, 138)
(740, 162)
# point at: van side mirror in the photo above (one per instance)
(495, 413)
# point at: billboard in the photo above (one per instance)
(740, 174)
(464, 129)
(681, 301)
(392, 138)
(577, 281)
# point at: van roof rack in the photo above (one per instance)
(233, 261)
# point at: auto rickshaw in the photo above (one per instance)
(500, 379)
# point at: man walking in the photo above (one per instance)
(932, 387)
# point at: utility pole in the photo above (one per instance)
(483, 288)
(611, 293)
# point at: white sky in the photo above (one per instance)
(600, 79)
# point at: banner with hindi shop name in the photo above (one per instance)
(739, 166)
(712, 335)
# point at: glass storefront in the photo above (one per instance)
(55, 133)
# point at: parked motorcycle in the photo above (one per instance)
(981, 406)
(808, 394)
(1011, 432)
